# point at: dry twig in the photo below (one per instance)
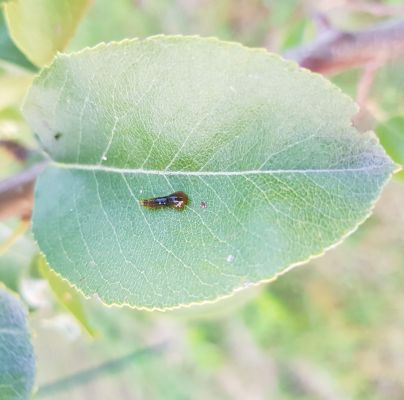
(16, 193)
(335, 51)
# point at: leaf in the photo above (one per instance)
(274, 170)
(16, 234)
(13, 88)
(41, 28)
(16, 260)
(66, 295)
(391, 135)
(115, 20)
(13, 127)
(17, 363)
(8, 50)
(388, 89)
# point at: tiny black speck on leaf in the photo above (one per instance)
(57, 135)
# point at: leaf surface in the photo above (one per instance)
(66, 295)
(17, 364)
(391, 135)
(9, 51)
(274, 170)
(41, 28)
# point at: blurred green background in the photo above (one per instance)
(332, 329)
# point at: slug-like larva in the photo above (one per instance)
(177, 200)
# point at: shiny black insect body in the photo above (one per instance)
(177, 200)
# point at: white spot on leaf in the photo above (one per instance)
(230, 258)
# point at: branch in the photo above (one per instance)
(335, 50)
(16, 193)
(377, 9)
(110, 367)
(19, 151)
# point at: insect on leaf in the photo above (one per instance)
(266, 152)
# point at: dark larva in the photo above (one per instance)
(177, 200)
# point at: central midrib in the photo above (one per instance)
(105, 168)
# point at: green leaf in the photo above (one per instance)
(9, 51)
(17, 363)
(391, 135)
(266, 151)
(41, 28)
(115, 20)
(13, 88)
(14, 127)
(15, 261)
(66, 295)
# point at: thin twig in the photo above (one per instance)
(18, 150)
(365, 83)
(16, 193)
(88, 375)
(322, 23)
(377, 9)
(20, 229)
(364, 86)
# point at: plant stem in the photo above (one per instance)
(109, 367)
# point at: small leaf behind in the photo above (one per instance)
(66, 295)
(17, 363)
(41, 28)
(9, 51)
(391, 135)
